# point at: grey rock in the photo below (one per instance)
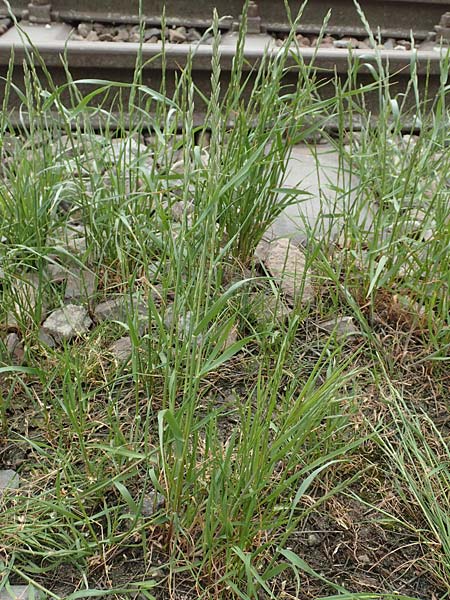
(99, 27)
(327, 183)
(4, 25)
(403, 45)
(127, 145)
(193, 35)
(152, 32)
(84, 29)
(327, 42)
(181, 208)
(110, 310)
(9, 480)
(152, 502)
(66, 323)
(71, 238)
(182, 326)
(106, 36)
(343, 326)
(122, 35)
(92, 36)
(267, 308)
(346, 43)
(389, 44)
(46, 339)
(303, 41)
(15, 348)
(79, 144)
(122, 149)
(135, 37)
(80, 284)
(25, 293)
(124, 309)
(178, 35)
(121, 349)
(364, 559)
(56, 273)
(287, 265)
(118, 309)
(72, 230)
(76, 245)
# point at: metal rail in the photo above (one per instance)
(396, 18)
(116, 62)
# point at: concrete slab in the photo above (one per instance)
(321, 172)
(52, 32)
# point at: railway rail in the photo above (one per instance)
(50, 23)
(396, 18)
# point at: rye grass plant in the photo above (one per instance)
(199, 459)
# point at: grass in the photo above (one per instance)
(211, 460)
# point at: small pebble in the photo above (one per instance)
(313, 540)
(343, 326)
(151, 503)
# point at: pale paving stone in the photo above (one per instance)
(20, 592)
(9, 480)
(330, 191)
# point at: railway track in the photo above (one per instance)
(50, 24)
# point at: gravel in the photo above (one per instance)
(100, 32)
